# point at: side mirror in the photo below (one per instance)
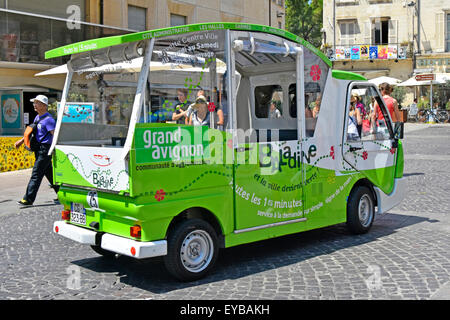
(398, 130)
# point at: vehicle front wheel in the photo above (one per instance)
(360, 210)
(192, 250)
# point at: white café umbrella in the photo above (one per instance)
(440, 78)
(380, 80)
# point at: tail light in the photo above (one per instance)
(65, 214)
(135, 231)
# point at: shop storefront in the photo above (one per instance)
(24, 38)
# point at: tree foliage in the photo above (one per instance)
(304, 18)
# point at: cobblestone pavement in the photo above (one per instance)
(406, 255)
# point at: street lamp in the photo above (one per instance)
(412, 4)
(334, 26)
(416, 8)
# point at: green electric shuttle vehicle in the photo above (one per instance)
(269, 146)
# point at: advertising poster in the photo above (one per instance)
(382, 52)
(392, 52)
(402, 52)
(364, 50)
(11, 111)
(373, 52)
(355, 53)
(347, 53)
(340, 53)
(80, 112)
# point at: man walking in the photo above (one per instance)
(43, 162)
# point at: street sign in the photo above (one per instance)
(426, 77)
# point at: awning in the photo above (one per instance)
(25, 88)
(134, 65)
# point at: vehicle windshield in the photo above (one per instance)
(102, 90)
(99, 101)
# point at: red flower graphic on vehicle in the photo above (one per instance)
(315, 72)
(332, 152)
(160, 195)
(365, 155)
(211, 106)
(393, 150)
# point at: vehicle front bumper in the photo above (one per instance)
(110, 242)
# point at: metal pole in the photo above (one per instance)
(270, 13)
(418, 27)
(139, 96)
(334, 26)
(431, 96)
(413, 51)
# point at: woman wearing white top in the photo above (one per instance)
(354, 119)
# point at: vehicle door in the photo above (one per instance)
(368, 142)
(266, 142)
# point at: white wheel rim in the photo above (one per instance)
(196, 251)
(365, 210)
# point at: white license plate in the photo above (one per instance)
(78, 214)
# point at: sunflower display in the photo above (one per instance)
(14, 159)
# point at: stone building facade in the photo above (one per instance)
(29, 28)
(394, 38)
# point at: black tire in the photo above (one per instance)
(103, 252)
(192, 250)
(442, 116)
(422, 116)
(360, 210)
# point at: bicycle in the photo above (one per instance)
(432, 115)
(442, 115)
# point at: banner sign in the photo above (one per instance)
(81, 112)
(426, 77)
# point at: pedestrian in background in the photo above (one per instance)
(391, 104)
(43, 162)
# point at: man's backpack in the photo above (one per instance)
(30, 136)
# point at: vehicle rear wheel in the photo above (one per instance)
(360, 210)
(103, 252)
(192, 250)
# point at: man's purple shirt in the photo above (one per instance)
(46, 125)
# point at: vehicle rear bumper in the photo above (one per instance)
(120, 245)
(386, 202)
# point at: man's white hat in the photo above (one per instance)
(41, 98)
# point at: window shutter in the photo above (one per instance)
(351, 33)
(342, 33)
(367, 32)
(393, 39)
(440, 32)
(137, 19)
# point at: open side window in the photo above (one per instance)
(367, 116)
(267, 68)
